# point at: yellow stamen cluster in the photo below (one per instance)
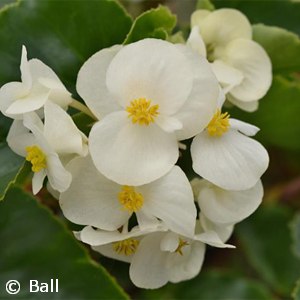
(219, 124)
(130, 199)
(181, 244)
(126, 247)
(140, 111)
(37, 158)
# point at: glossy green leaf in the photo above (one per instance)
(35, 245)
(278, 115)
(212, 284)
(10, 166)
(63, 34)
(205, 4)
(295, 228)
(267, 242)
(283, 13)
(282, 46)
(154, 23)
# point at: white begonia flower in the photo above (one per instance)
(228, 207)
(241, 65)
(120, 245)
(94, 200)
(39, 85)
(45, 145)
(225, 155)
(144, 101)
(166, 256)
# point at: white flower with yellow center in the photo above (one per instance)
(165, 256)
(39, 85)
(147, 95)
(46, 145)
(241, 65)
(94, 200)
(224, 154)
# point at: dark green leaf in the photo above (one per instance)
(267, 242)
(83, 122)
(282, 46)
(283, 13)
(205, 4)
(295, 227)
(214, 285)
(296, 291)
(154, 23)
(10, 166)
(278, 115)
(37, 246)
(63, 34)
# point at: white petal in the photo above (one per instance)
(59, 178)
(198, 16)
(169, 242)
(146, 221)
(37, 181)
(243, 127)
(170, 199)
(91, 83)
(8, 94)
(224, 232)
(108, 251)
(25, 69)
(188, 265)
(19, 137)
(196, 42)
(147, 268)
(211, 238)
(228, 76)
(246, 106)
(54, 193)
(229, 207)
(168, 124)
(149, 69)
(92, 199)
(232, 161)
(251, 59)
(131, 154)
(202, 101)
(225, 25)
(61, 131)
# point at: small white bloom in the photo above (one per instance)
(224, 154)
(94, 200)
(166, 256)
(241, 65)
(228, 207)
(46, 145)
(39, 85)
(148, 95)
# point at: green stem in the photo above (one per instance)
(81, 107)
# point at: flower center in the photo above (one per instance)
(126, 247)
(130, 199)
(140, 111)
(181, 244)
(219, 124)
(37, 158)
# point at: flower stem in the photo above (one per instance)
(81, 107)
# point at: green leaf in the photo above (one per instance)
(278, 115)
(296, 291)
(283, 13)
(63, 34)
(10, 166)
(154, 23)
(295, 227)
(38, 246)
(282, 46)
(266, 241)
(212, 284)
(83, 122)
(205, 4)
